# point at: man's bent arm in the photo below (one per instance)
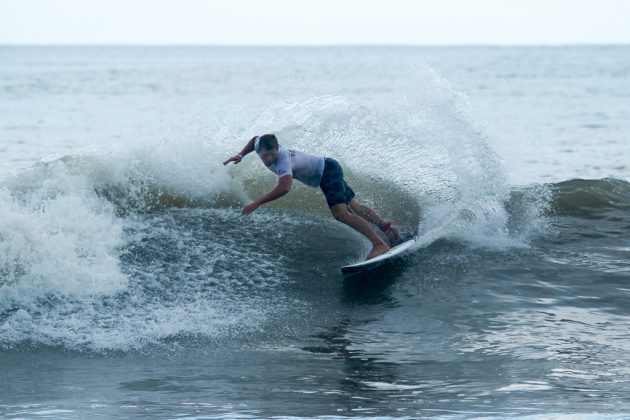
(249, 147)
(283, 187)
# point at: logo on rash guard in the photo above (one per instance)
(292, 152)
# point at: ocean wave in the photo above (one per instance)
(591, 198)
(95, 247)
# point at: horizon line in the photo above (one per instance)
(323, 45)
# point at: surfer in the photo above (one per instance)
(317, 171)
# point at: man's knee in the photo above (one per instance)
(340, 212)
(358, 207)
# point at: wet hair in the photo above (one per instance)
(268, 142)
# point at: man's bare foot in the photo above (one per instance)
(393, 234)
(391, 231)
(377, 250)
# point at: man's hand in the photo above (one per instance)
(250, 208)
(236, 159)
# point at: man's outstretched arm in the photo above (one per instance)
(249, 147)
(283, 187)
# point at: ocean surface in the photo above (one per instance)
(131, 287)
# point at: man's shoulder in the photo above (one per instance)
(283, 164)
(284, 153)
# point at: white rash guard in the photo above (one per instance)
(302, 166)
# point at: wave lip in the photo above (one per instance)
(591, 198)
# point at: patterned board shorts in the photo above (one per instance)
(333, 185)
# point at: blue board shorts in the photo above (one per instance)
(333, 185)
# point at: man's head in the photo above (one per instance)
(268, 149)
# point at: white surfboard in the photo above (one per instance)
(376, 261)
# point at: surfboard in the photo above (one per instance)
(376, 261)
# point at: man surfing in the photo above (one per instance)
(317, 171)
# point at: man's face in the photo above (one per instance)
(268, 156)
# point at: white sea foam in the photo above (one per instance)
(60, 239)
(526, 386)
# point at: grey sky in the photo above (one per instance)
(296, 22)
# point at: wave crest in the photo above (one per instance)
(591, 198)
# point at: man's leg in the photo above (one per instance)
(393, 233)
(341, 213)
